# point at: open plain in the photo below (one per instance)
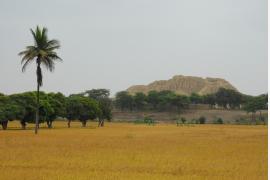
(130, 151)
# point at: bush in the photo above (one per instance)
(260, 121)
(202, 120)
(242, 121)
(139, 121)
(218, 121)
(178, 122)
(194, 121)
(148, 120)
(183, 120)
(263, 120)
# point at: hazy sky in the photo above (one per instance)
(117, 43)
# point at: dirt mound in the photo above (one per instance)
(184, 85)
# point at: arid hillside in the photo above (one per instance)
(184, 85)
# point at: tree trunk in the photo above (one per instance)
(23, 124)
(4, 124)
(101, 122)
(69, 121)
(84, 123)
(49, 124)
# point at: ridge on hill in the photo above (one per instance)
(184, 85)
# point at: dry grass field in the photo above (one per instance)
(129, 151)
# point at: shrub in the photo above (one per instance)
(139, 121)
(260, 121)
(242, 121)
(194, 121)
(178, 122)
(183, 120)
(148, 120)
(264, 120)
(218, 121)
(202, 120)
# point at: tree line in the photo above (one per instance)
(170, 101)
(89, 105)
(96, 104)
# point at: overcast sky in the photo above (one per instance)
(118, 43)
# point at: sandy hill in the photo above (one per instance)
(184, 85)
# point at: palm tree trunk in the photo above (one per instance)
(37, 111)
(39, 82)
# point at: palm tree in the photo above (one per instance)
(43, 53)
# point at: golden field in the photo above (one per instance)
(129, 151)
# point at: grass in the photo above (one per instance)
(128, 151)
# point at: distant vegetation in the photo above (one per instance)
(93, 104)
(96, 104)
(169, 101)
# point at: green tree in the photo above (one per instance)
(57, 102)
(82, 108)
(202, 120)
(210, 99)
(139, 100)
(9, 111)
(3, 118)
(180, 102)
(97, 93)
(251, 107)
(153, 99)
(229, 97)
(27, 101)
(43, 53)
(105, 106)
(264, 101)
(104, 101)
(255, 104)
(124, 100)
(195, 98)
(222, 96)
(235, 99)
(165, 99)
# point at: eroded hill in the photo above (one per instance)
(184, 85)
